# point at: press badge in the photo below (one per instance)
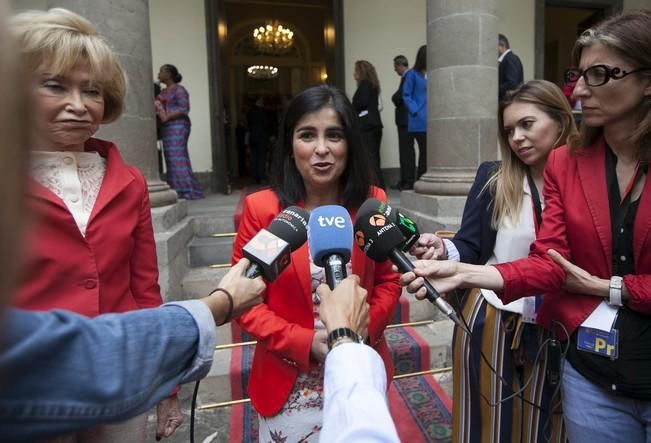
(530, 307)
(598, 342)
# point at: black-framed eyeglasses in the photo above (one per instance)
(598, 75)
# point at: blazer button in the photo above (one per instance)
(90, 283)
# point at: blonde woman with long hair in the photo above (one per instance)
(500, 220)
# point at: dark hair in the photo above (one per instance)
(503, 41)
(176, 76)
(626, 35)
(420, 64)
(400, 60)
(285, 178)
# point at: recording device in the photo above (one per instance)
(381, 239)
(554, 353)
(406, 225)
(330, 237)
(270, 249)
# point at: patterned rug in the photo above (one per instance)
(419, 406)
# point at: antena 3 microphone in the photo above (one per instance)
(270, 249)
(330, 237)
(407, 227)
(380, 239)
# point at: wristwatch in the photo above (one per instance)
(341, 333)
(615, 291)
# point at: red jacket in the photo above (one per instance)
(112, 269)
(284, 324)
(576, 223)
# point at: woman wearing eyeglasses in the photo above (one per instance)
(592, 256)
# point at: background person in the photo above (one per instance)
(320, 160)
(597, 207)
(83, 196)
(367, 106)
(405, 140)
(414, 94)
(499, 222)
(509, 70)
(173, 109)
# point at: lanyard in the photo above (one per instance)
(535, 198)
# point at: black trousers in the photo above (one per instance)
(421, 139)
(407, 156)
(372, 139)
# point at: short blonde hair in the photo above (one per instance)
(57, 39)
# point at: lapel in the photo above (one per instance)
(642, 224)
(116, 178)
(591, 167)
(301, 269)
(36, 190)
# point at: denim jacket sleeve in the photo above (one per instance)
(61, 372)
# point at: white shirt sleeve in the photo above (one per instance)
(453, 252)
(355, 405)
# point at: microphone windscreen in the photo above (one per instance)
(330, 231)
(376, 235)
(291, 226)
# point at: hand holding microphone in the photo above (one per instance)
(381, 239)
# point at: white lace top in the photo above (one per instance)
(75, 177)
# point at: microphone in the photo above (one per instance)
(270, 249)
(406, 225)
(380, 239)
(330, 238)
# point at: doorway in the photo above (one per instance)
(315, 57)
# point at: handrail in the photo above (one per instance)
(249, 343)
(225, 404)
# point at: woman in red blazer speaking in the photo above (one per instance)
(592, 256)
(319, 161)
(91, 246)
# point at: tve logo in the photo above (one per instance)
(336, 221)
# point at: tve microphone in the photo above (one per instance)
(269, 250)
(330, 237)
(380, 239)
(407, 227)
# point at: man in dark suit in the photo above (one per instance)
(510, 74)
(405, 140)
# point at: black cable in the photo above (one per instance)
(519, 392)
(192, 408)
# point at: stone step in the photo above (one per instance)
(205, 251)
(216, 387)
(213, 223)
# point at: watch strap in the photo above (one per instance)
(339, 333)
(615, 291)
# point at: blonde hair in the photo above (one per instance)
(57, 39)
(506, 184)
(628, 36)
(15, 125)
(366, 71)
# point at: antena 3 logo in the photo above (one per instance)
(377, 220)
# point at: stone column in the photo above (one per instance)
(461, 107)
(125, 25)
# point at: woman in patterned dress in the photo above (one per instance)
(320, 160)
(173, 107)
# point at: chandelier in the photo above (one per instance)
(262, 72)
(273, 38)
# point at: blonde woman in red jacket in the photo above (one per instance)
(591, 258)
(319, 161)
(91, 246)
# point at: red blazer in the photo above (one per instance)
(284, 324)
(576, 223)
(112, 269)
